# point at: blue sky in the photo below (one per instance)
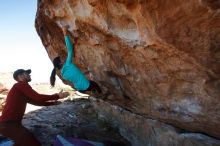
(20, 46)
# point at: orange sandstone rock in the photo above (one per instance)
(161, 59)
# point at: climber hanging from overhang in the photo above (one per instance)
(71, 73)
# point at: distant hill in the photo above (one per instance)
(6, 79)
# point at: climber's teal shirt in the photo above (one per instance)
(71, 72)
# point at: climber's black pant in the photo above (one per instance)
(93, 87)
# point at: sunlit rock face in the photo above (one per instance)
(160, 59)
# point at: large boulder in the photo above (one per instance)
(160, 59)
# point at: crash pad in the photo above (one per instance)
(71, 141)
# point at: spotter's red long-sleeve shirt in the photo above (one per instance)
(20, 94)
